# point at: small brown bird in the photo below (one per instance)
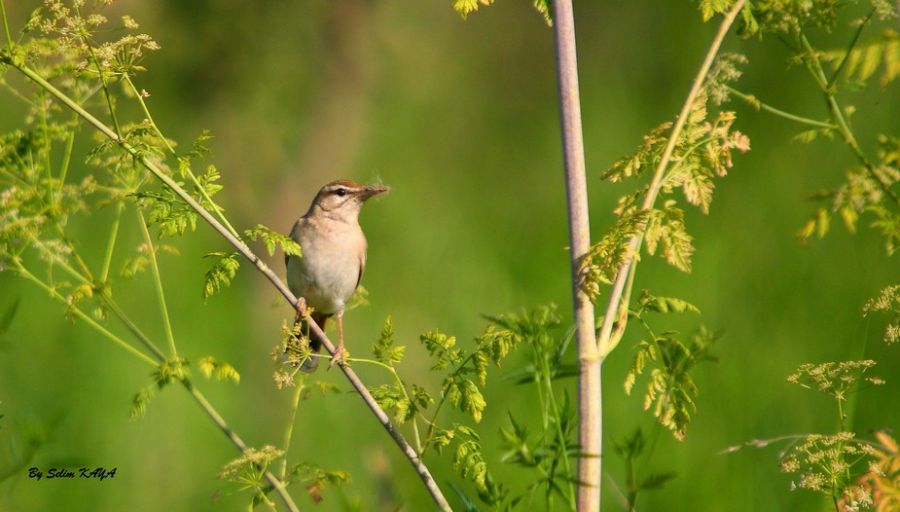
(334, 256)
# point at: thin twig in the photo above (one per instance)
(616, 295)
(9, 41)
(818, 74)
(759, 105)
(111, 243)
(383, 419)
(289, 430)
(590, 426)
(190, 172)
(160, 357)
(82, 315)
(237, 441)
(853, 41)
(157, 284)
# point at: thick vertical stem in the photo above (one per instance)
(589, 397)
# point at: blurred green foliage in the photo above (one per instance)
(460, 119)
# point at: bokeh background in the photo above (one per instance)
(460, 118)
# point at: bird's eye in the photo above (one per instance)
(341, 192)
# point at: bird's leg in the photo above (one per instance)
(340, 353)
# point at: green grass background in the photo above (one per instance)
(460, 118)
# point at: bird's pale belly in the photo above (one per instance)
(319, 280)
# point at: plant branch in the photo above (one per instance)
(190, 173)
(67, 155)
(9, 41)
(853, 41)
(590, 429)
(277, 484)
(616, 299)
(82, 315)
(759, 105)
(157, 284)
(289, 431)
(111, 243)
(204, 404)
(561, 436)
(402, 387)
(818, 73)
(382, 417)
(132, 328)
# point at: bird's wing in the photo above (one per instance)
(362, 268)
(294, 238)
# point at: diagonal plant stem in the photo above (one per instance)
(157, 284)
(277, 484)
(289, 431)
(25, 273)
(402, 386)
(159, 358)
(190, 173)
(410, 453)
(111, 243)
(590, 432)
(843, 63)
(618, 302)
(818, 73)
(759, 105)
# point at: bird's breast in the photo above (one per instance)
(328, 272)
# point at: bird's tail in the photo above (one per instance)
(315, 343)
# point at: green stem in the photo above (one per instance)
(78, 259)
(67, 154)
(277, 484)
(289, 431)
(562, 437)
(47, 146)
(859, 30)
(157, 283)
(132, 328)
(190, 172)
(402, 388)
(9, 41)
(818, 74)
(437, 410)
(759, 105)
(96, 62)
(86, 318)
(15, 92)
(111, 244)
(57, 260)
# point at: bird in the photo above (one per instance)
(333, 258)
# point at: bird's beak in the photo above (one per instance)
(374, 190)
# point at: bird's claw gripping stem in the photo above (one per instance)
(301, 309)
(339, 357)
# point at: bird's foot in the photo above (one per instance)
(301, 309)
(339, 357)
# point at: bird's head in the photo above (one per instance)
(342, 199)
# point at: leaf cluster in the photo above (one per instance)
(701, 153)
(272, 239)
(671, 390)
(887, 302)
(630, 450)
(466, 7)
(863, 192)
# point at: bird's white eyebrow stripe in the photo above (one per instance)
(332, 188)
